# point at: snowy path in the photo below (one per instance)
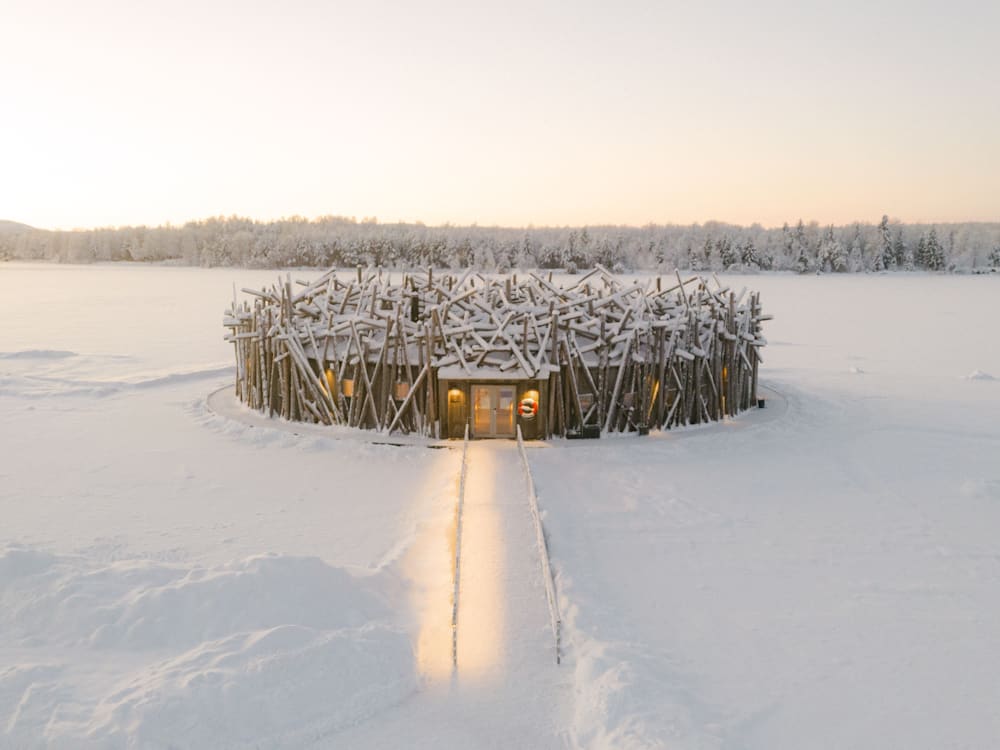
(507, 691)
(503, 624)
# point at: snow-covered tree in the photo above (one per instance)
(799, 249)
(707, 255)
(726, 252)
(920, 254)
(749, 256)
(693, 259)
(346, 242)
(885, 257)
(855, 262)
(902, 252)
(933, 252)
(831, 253)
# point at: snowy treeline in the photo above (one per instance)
(338, 241)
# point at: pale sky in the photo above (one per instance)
(511, 113)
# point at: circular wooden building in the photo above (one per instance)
(433, 353)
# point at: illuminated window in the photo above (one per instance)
(347, 387)
(402, 391)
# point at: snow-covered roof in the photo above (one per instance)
(491, 326)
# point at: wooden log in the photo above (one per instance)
(613, 406)
(368, 390)
(571, 380)
(432, 416)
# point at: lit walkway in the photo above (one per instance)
(503, 624)
(507, 691)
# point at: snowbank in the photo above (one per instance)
(630, 699)
(270, 651)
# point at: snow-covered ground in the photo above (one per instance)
(819, 574)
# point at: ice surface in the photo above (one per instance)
(819, 573)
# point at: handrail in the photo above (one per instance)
(459, 506)
(555, 621)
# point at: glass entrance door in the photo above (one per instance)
(503, 422)
(482, 416)
(493, 410)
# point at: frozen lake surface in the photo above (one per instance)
(824, 573)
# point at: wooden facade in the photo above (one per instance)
(435, 352)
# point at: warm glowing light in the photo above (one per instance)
(429, 566)
(652, 398)
(481, 597)
(347, 386)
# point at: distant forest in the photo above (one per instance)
(345, 242)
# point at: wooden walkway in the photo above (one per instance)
(507, 690)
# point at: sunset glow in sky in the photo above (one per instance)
(507, 113)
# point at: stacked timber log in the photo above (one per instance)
(365, 352)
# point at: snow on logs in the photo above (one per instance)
(369, 353)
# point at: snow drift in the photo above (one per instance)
(270, 651)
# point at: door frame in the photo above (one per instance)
(494, 389)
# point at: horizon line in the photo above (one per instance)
(376, 221)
